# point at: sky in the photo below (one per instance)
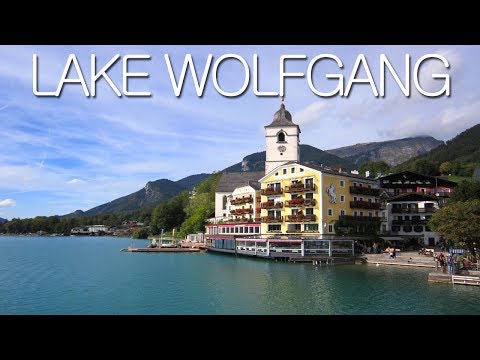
(68, 152)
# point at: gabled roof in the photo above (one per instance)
(324, 170)
(410, 179)
(230, 181)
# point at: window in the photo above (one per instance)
(342, 198)
(407, 228)
(292, 170)
(361, 213)
(276, 214)
(224, 203)
(395, 228)
(276, 174)
(284, 171)
(309, 196)
(330, 228)
(355, 213)
(274, 227)
(311, 227)
(354, 198)
(330, 212)
(342, 212)
(342, 183)
(309, 211)
(370, 214)
(281, 137)
(418, 228)
(301, 169)
(257, 229)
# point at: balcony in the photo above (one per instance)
(272, 205)
(301, 218)
(310, 202)
(277, 190)
(359, 218)
(242, 200)
(242, 211)
(361, 190)
(295, 202)
(240, 220)
(298, 188)
(364, 205)
(413, 210)
(300, 202)
(272, 219)
(409, 222)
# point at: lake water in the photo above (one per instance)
(89, 275)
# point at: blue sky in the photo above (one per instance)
(73, 152)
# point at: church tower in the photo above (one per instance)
(283, 140)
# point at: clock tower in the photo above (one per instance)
(282, 140)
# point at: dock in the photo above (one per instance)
(465, 277)
(161, 249)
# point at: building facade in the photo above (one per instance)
(410, 200)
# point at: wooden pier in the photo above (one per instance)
(161, 249)
(465, 280)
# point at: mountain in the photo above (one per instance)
(2, 220)
(153, 193)
(393, 152)
(308, 154)
(461, 155)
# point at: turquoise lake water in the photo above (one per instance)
(89, 275)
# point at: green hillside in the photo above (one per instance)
(458, 156)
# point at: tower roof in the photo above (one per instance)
(282, 118)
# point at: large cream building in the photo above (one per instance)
(292, 207)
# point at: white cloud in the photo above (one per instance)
(75, 181)
(8, 203)
(449, 122)
(311, 113)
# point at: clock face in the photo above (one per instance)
(282, 148)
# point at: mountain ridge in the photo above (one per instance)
(393, 152)
(150, 195)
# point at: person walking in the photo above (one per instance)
(441, 261)
(450, 263)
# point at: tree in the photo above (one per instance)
(425, 166)
(376, 168)
(466, 190)
(169, 214)
(445, 168)
(141, 233)
(459, 224)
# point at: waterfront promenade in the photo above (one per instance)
(402, 258)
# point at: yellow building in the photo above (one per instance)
(297, 198)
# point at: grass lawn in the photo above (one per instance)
(458, 179)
